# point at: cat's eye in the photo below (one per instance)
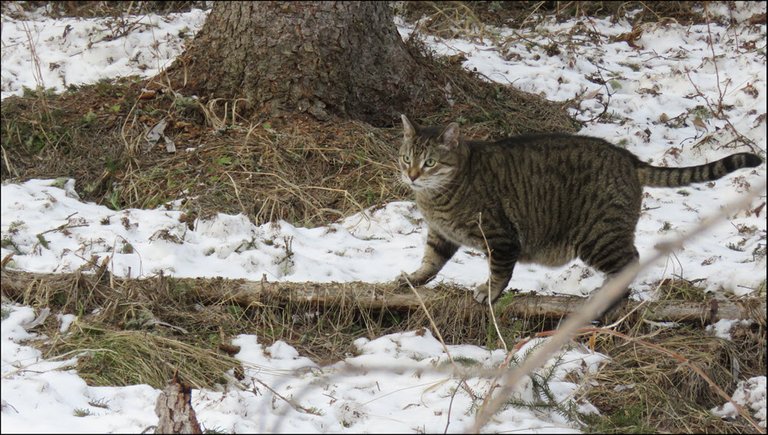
(406, 159)
(429, 163)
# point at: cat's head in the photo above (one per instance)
(430, 156)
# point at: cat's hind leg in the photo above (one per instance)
(502, 263)
(611, 255)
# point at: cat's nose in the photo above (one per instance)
(413, 174)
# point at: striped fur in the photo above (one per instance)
(654, 176)
(544, 199)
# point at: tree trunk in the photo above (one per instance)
(333, 57)
(174, 410)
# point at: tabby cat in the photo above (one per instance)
(545, 198)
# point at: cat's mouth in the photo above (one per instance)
(419, 184)
(413, 184)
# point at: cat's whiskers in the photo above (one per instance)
(428, 181)
(439, 188)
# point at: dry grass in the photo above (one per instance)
(205, 315)
(299, 171)
(644, 388)
(140, 357)
(310, 173)
(644, 391)
(120, 328)
(682, 290)
(460, 19)
(292, 168)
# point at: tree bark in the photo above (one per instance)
(174, 409)
(322, 58)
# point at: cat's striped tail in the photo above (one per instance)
(655, 176)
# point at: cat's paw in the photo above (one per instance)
(415, 279)
(403, 280)
(482, 294)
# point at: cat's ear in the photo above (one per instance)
(450, 136)
(409, 131)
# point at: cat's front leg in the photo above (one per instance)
(502, 263)
(437, 252)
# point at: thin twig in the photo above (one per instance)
(450, 405)
(291, 402)
(439, 335)
(237, 193)
(711, 43)
(621, 320)
(721, 116)
(64, 226)
(490, 300)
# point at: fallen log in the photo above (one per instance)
(373, 296)
(378, 296)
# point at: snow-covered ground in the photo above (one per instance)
(660, 90)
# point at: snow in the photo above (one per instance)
(401, 382)
(84, 50)
(749, 394)
(722, 328)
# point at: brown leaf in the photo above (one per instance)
(631, 37)
(757, 19)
